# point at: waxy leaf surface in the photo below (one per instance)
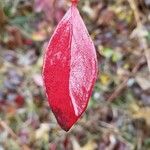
(69, 69)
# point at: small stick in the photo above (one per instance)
(123, 85)
(12, 133)
(6, 127)
(143, 43)
(140, 26)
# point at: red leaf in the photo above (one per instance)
(70, 69)
(19, 101)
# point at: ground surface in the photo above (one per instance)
(118, 115)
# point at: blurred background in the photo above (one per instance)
(118, 114)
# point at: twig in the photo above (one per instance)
(139, 139)
(140, 27)
(144, 45)
(14, 136)
(118, 90)
(136, 12)
(123, 85)
(6, 127)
